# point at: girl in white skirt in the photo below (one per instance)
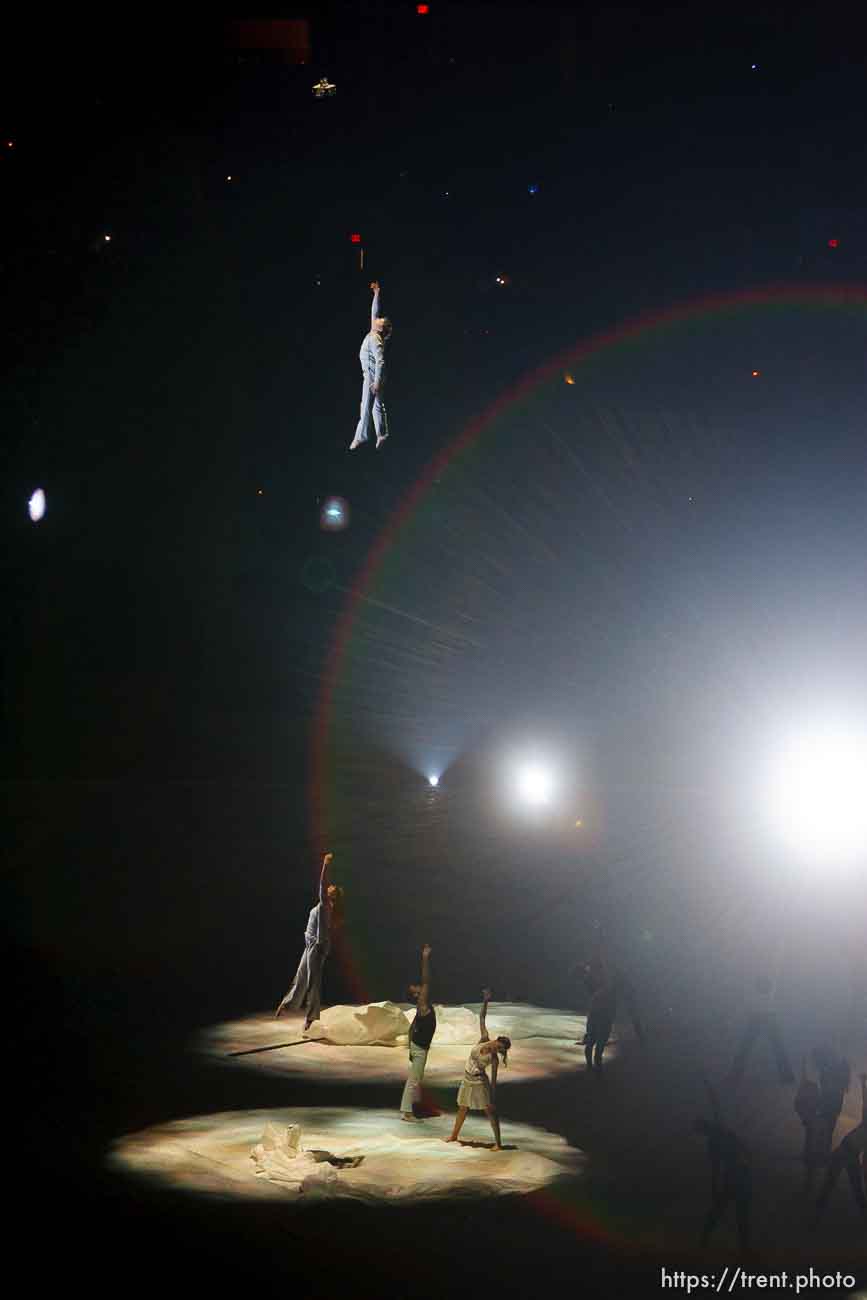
(477, 1090)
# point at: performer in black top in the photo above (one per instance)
(420, 1036)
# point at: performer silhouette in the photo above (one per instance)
(848, 1155)
(731, 1174)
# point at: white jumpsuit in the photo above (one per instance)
(372, 358)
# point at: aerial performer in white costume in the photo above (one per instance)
(306, 989)
(372, 358)
(477, 1091)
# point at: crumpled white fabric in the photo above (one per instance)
(278, 1138)
(279, 1159)
(386, 1024)
(454, 1025)
(379, 1022)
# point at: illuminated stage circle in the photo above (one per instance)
(386, 1160)
(543, 1044)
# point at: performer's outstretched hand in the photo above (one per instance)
(487, 994)
(327, 860)
(374, 284)
(426, 950)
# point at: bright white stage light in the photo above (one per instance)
(817, 794)
(36, 505)
(535, 784)
(434, 781)
(334, 515)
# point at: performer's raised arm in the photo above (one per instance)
(483, 1028)
(374, 306)
(423, 1003)
(323, 879)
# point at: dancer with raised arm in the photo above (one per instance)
(731, 1173)
(477, 1091)
(306, 989)
(372, 358)
(421, 1033)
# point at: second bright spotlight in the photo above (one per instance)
(535, 784)
(816, 795)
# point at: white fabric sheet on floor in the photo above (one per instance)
(225, 1155)
(354, 1043)
(384, 1022)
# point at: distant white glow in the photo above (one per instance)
(36, 505)
(817, 792)
(434, 781)
(535, 784)
(334, 514)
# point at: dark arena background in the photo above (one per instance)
(569, 671)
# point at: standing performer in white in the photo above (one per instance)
(306, 989)
(477, 1092)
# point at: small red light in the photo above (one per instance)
(756, 374)
(422, 9)
(356, 239)
(833, 243)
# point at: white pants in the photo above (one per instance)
(412, 1087)
(371, 405)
